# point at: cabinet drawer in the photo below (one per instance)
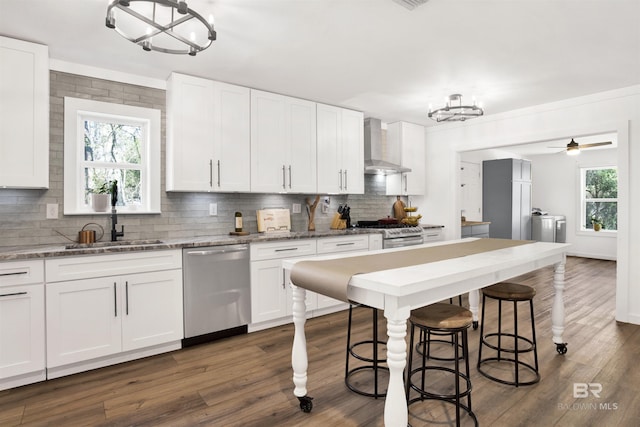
(86, 267)
(21, 272)
(285, 249)
(433, 235)
(479, 229)
(329, 245)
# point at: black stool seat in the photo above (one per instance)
(444, 320)
(512, 292)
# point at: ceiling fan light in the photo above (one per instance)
(573, 151)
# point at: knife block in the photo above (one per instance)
(337, 223)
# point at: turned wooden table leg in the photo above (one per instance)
(395, 405)
(299, 361)
(557, 310)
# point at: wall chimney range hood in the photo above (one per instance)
(380, 157)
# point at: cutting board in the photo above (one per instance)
(273, 220)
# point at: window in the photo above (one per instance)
(599, 204)
(105, 142)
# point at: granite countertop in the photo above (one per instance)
(49, 251)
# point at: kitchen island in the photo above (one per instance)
(397, 291)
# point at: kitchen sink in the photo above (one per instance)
(111, 244)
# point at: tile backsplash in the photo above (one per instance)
(23, 212)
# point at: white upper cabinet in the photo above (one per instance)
(340, 150)
(24, 114)
(411, 139)
(208, 138)
(283, 144)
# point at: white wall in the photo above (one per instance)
(555, 189)
(614, 111)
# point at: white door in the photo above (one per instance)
(330, 172)
(152, 309)
(471, 191)
(301, 140)
(232, 142)
(190, 133)
(83, 320)
(353, 151)
(268, 291)
(269, 159)
(22, 335)
(24, 115)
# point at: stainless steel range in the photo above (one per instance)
(395, 235)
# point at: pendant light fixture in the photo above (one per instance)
(167, 26)
(457, 112)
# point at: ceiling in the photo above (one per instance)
(554, 146)
(375, 56)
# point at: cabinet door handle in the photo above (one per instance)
(126, 294)
(345, 180)
(283, 279)
(210, 173)
(345, 244)
(289, 176)
(284, 184)
(12, 294)
(286, 249)
(218, 173)
(13, 274)
(115, 299)
(340, 173)
(405, 183)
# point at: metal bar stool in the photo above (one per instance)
(514, 292)
(443, 319)
(372, 364)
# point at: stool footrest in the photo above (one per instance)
(520, 363)
(354, 389)
(531, 347)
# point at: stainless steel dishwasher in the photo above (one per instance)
(217, 292)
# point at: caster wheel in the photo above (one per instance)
(561, 348)
(475, 325)
(305, 403)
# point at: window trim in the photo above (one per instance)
(74, 109)
(582, 201)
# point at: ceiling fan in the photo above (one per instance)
(573, 148)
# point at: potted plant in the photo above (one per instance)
(101, 197)
(597, 223)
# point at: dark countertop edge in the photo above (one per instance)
(471, 223)
(51, 251)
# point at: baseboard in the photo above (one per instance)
(593, 256)
(101, 362)
(24, 379)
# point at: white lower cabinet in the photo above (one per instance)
(98, 321)
(22, 325)
(271, 295)
(331, 245)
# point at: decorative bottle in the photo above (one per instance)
(238, 222)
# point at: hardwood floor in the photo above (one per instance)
(246, 380)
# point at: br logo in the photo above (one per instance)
(582, 390)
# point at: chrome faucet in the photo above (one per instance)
(114, 220)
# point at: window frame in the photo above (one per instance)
(582, 177)
(75, 111)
